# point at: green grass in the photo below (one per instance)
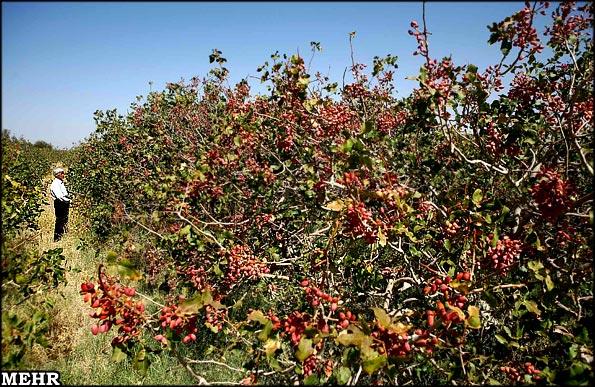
(90, 364)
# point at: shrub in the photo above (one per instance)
(329, 231)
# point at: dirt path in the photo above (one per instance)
(69, 327)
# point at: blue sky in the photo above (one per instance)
(61, 61)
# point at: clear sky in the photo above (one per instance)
(61, 61)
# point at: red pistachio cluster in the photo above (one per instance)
(463, 276)
(185, 326)
(114, 305)
(524, 90)
(336, 119)
(294, 325)
(422, 43)
(359, 222)
(387, 121)
(285, 142)
(447, 316)
(314, 295)
(491, 78)
(552, 194)
(276, 321)
(215, 318)
(568, 24)
(452, 299)
(199, 278)
(424, 339)
(315, 365)
(207, 185)
(566, 236)
(351, 180)
(443, 286)
(525, 35)
(515, 374)
(356, 91)
(263, 219)
(242, 264)
(394, 344)
(345, 318)
(495, 144)
(505, 254)
(451, 228)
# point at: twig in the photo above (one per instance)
(149, 299)
(488, 166)
(214, 362)
(397, 248)
(335, 184)
(389, 292)
(462, 362)
(566, 308)
(587, 198)
(436, 207)
(140, 224)
(583, 157)
(518, 182)
(354, 381)
(206, 233)
(437, 366)
(215, 221)
(432, 270)
(279, 160)
(268, 373)
(320, 231)
(427, 46)
(575, 214)
(478, 290)
(509, 286)
(409, 300)
(200, 379)
(275, 276)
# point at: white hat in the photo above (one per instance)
(57, 171)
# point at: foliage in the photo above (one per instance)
(25, 272)
(24, 166)
(341, 234)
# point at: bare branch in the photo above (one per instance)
(518, 182)
(140, 224)
(149, 299)
(205, 233)
(354, 381)
(488, 166)
(583, 157)
(214, 362)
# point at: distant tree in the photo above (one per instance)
(44, 145)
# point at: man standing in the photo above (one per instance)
(61, 203)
